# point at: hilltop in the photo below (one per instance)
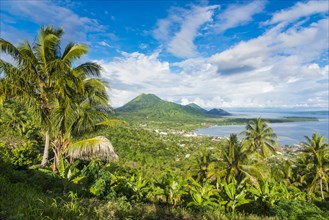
(211, 113)
(150, 106)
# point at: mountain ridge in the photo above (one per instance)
(151, 106)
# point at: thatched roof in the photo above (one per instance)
(98, 147)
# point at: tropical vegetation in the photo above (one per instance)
(101, 167)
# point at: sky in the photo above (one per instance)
(217, 54)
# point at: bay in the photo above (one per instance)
(289, 133)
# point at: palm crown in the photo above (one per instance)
(260, 137)
(64, 98)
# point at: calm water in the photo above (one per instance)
(288, 133)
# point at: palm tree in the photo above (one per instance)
(77, 115)
(17, 125)
(44, 77)
(14, 117)
(316, 151)
(29, 81)
(260, 137)
(282, 170)
(237, 163)
(204, 167)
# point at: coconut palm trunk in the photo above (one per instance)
(45, 151)
(321, 189)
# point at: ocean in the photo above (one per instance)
(289, 133)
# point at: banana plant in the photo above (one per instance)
(172, 188)
(203, 195)
(69, 172)
(296, 194)
(268, 192)
(101, 185)
(139, 187)
(234, 195)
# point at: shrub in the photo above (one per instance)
(21, 156)
(297, 210)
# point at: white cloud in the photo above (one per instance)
(135, 73)
(163, 28)
(198, 82)
(179, 30)
(237, 15)
(182, 26)
(295, 46)
(47, 12)
(182, 43)
(143, 46)
(103, 43)
(299, 10)
(277, 69)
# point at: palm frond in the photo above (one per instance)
(8, 69)
(95, 91)
(9, 48)
(88, 69)
(97, 147)
(48, 43)
(28, 57)
(73, 52)
(86, 120)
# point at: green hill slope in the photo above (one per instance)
(215, 112)
(149, 106)
(141, 102)
(198, 108)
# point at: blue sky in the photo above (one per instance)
(214, 53)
